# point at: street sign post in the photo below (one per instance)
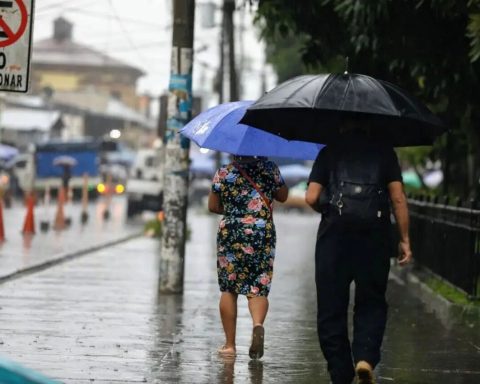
(16, 17)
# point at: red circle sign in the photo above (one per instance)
(11, 35)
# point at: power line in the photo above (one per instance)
(104, 35)
(47, 7)
(104, 16)
(148, 45)
(96, 39)
(122, 27)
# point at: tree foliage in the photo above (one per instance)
(431, 48)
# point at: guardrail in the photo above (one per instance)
(446, 239)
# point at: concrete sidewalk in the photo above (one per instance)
(25, 253)
(99, 319)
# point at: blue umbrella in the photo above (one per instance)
(7, 152)
(218, 129)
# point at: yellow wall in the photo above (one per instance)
(59, 81)
(77, 80)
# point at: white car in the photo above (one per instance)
(145, 182)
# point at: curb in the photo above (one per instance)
(450, 314)
(66, 256)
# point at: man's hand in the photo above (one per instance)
(404, 253)
(400, 210)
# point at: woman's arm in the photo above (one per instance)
(282, 194)
(214, 203)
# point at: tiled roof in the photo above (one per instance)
(60, 52)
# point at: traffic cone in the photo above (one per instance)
(27, 241)
(84, 216)
(29, 224)
(2, 229)
(59, 223)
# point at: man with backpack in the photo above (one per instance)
(353, 182)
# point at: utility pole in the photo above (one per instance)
(228, 82)
(179, 109)
(228, 9)
(227, 59)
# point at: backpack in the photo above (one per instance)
(357, 196)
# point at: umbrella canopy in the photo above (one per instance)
(433, 179)
(7, 152)
(218, 129)
(312, 108)
(66, 161)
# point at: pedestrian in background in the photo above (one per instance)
(352, 183)
(66, 176)
(243, 192)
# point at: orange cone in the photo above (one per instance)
(29, 224)
(2, 230)
(60, 215)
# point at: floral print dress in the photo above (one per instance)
(246, 236)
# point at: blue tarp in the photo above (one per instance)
(87, 162)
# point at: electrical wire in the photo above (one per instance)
(104, 16)
(125, 36)
(149, 46)
(126, 33)
(55, 6)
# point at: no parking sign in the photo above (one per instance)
(15, 44)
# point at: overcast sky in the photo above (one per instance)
(141, 35)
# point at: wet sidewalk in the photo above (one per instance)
(19, 253)
(99, 319)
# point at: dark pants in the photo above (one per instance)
(342, 257)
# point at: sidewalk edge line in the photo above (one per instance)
(65, 257)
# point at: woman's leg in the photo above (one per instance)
(258, 307)
(228, 313)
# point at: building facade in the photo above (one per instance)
(60, 65)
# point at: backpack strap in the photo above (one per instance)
(266, 201)
(334, 192)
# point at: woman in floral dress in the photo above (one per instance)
(242, 192)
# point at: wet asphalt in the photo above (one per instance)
(99, 318)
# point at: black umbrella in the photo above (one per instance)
(313, 107)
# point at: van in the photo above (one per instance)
(145, 183)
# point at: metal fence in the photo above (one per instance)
(445, 239)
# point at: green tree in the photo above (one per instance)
(283, 54)
(431, 48)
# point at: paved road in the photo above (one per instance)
(99, 319)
